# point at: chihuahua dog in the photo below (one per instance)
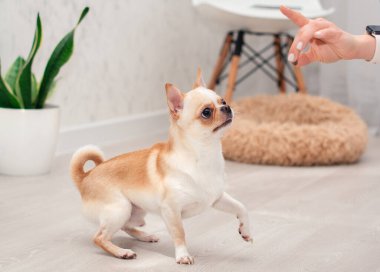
(176, 179)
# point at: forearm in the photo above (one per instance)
(366, 47)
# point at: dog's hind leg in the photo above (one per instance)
(137, 217)
(137, 220)
(141, 235)
(113, 217)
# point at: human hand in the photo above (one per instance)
(327, 42)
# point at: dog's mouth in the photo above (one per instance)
(226, 123)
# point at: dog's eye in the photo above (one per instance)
(206, 113)
(224, 102)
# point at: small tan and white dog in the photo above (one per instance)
(176, 179)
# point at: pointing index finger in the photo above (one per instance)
(294, 16)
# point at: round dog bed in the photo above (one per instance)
(295, 129)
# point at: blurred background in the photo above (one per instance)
(126, 51)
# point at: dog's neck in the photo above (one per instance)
(187, 145)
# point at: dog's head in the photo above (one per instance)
(199, 112)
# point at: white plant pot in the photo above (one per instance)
(28, 140)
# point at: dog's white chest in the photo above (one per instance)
(199, 184)
(208, 189)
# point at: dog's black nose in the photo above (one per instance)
(226, 109)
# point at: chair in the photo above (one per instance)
(259, 18)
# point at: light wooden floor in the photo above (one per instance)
(303, 219)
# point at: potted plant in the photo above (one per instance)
(28, 126)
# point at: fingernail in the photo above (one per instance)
(299, 46)
(318, 34)
(291, 57)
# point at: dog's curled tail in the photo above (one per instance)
(80, 157)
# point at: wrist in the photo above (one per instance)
(365, 47)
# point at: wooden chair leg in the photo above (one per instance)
(232, 78)
(298, 74)
(280, 64)
(221, 60)
(234, 66)
(300, 80)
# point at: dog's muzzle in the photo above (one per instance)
(226, 110)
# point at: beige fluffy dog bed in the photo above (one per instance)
(294, 129)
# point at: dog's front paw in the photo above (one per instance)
(128, 254)
(185, 260)
(244, 232)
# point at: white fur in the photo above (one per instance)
(87, 149)
(210, 94)
(199, 179)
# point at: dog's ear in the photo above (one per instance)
(199, 82)
(175, 98)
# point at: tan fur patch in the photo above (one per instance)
(161, 166)
(209, 121)
(128, 171)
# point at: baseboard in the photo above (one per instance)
(110, 131)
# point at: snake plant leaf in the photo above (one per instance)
(24, 80)
(7, 98)
(34, 89)
(13, 72)
(58, 58)
(53, 88)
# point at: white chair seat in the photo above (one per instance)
(258, 15)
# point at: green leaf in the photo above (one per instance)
(58, 58)
(34, 89)
(83, 14)
(7, 98)
(24, 80)
(13, 72)
(53, 87)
